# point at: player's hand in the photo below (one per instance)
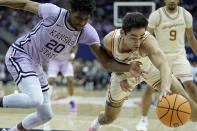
(125, 86)
(136, 71)
(164, 92)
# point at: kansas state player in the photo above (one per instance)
(57, 32)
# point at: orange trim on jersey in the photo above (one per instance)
(119, 42)
(145, 38)
(110, 98)
(112, 41)
(156, 84)
(116, 101)
(169, 16)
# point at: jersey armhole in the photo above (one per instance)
(112, 41)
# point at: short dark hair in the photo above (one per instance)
(134, 20)
(85, 6)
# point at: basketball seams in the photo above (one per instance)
(173, 110)
(181, 105)
(181, 111)
(166, 108)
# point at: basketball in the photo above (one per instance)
(173, 110)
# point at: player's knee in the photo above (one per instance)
(47, 117)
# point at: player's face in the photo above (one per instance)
(172, 4)
(134, 37)
(78, 20)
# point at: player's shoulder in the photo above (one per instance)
(109, 36)
(156, 13)
(185, 11)
(108, 39)
(88, 28)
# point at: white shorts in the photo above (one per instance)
(60, 65)
(180, 66)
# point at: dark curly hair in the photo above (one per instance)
(134, 20)
(85, 6)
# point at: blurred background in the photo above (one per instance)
(88, 72)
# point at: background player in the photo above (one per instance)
(57, 32)
(170, 23)
(65, 67)
(130, 43)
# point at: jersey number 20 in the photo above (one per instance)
(53, 45)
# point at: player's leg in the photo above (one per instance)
(43, 112)
(191, 89)
(24, 74)
(68, 72)
(42, 115)
(146, 102)
(112, 110)
(177, 88)
(113, 106)
(53, 69)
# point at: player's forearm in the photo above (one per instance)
(193, 45)
(27, 5)
(107, 61)
(17, 4)
(165, 74)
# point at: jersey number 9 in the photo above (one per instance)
(173, 35)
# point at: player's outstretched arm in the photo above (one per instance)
(158, 59)
(27, 5)
(191, 39)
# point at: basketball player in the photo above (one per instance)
(130, 43)
(65, 67)
(56, 34)
(170, 23)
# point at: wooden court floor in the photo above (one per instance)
(89, 104)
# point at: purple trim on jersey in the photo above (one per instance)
(66, 23)
(15, 46)
(30, 34)
(79, 36)
(43, 88)
(21, 74)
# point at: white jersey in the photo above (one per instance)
(170, 28)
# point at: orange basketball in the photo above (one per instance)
(174, 110)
